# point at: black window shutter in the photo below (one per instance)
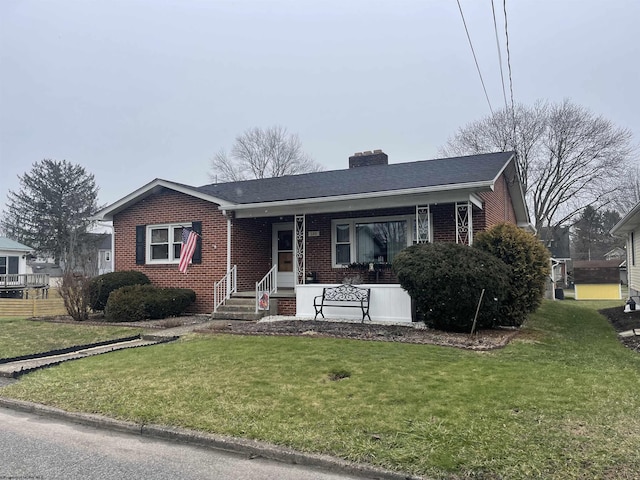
(141, 231)
(197, 254)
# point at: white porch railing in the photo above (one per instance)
(269, 284)
(226, 287)
(24, 280)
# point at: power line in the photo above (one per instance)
(474, 56)
(495, 29)
(506, 32)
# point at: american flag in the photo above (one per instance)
(189, 240)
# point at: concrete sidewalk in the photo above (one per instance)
(21, 366)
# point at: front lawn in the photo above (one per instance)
(559, 402)
(19, 336)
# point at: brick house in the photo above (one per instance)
(311, 228)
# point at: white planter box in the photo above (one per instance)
(388, 303)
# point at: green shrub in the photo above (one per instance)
(446, 280)
(101, 286)
(143, 302)
(528, 260)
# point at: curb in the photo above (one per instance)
(217, 442)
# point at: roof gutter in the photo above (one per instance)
(486, 185)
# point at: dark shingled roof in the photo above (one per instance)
(367, 179)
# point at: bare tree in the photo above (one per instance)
(262, 153)
(629, 195)
(568, 158)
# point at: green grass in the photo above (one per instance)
(560, 402)
(19, 336)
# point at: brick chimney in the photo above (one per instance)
(368, 158)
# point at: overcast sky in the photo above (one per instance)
(140, 89)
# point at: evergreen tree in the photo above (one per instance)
(51, 211)
(591, 237)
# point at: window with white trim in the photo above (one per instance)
(370, 240)
(9, 265)
(164, 243)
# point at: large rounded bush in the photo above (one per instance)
(142, 302)
(528, 260)
(101, 286)
(446, 280)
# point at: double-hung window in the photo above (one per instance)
(370, 240)
(164, 243)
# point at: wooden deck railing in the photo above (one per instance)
(24, 280)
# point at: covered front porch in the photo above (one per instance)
(303, 252)
(389, 304)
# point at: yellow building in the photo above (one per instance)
(597, 280)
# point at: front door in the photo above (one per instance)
(283, 253)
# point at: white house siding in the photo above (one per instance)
(22, 262)
(633, 268)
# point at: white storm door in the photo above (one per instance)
(283, 255)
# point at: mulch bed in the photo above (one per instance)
(483, 340)
(623, 322)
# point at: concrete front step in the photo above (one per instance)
(238, 308)
(222, 314)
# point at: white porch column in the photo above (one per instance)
(423, 224)
(299, 249)
(228, 244)
(464, 223)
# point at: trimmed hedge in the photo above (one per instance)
(134, 303)
(101, 286)
(528, 261)
(446, 280)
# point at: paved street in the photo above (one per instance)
(34, 447)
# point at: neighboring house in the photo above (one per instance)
(13, 257)
(629, 228)
(312, 226)
(105, 262)
(616, 253)
(47, 267)
(556, 239)
(15, 274)
(619, 254)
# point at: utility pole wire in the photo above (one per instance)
(474, 57)
(506, 32)
(495, 29)
(513, 108)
